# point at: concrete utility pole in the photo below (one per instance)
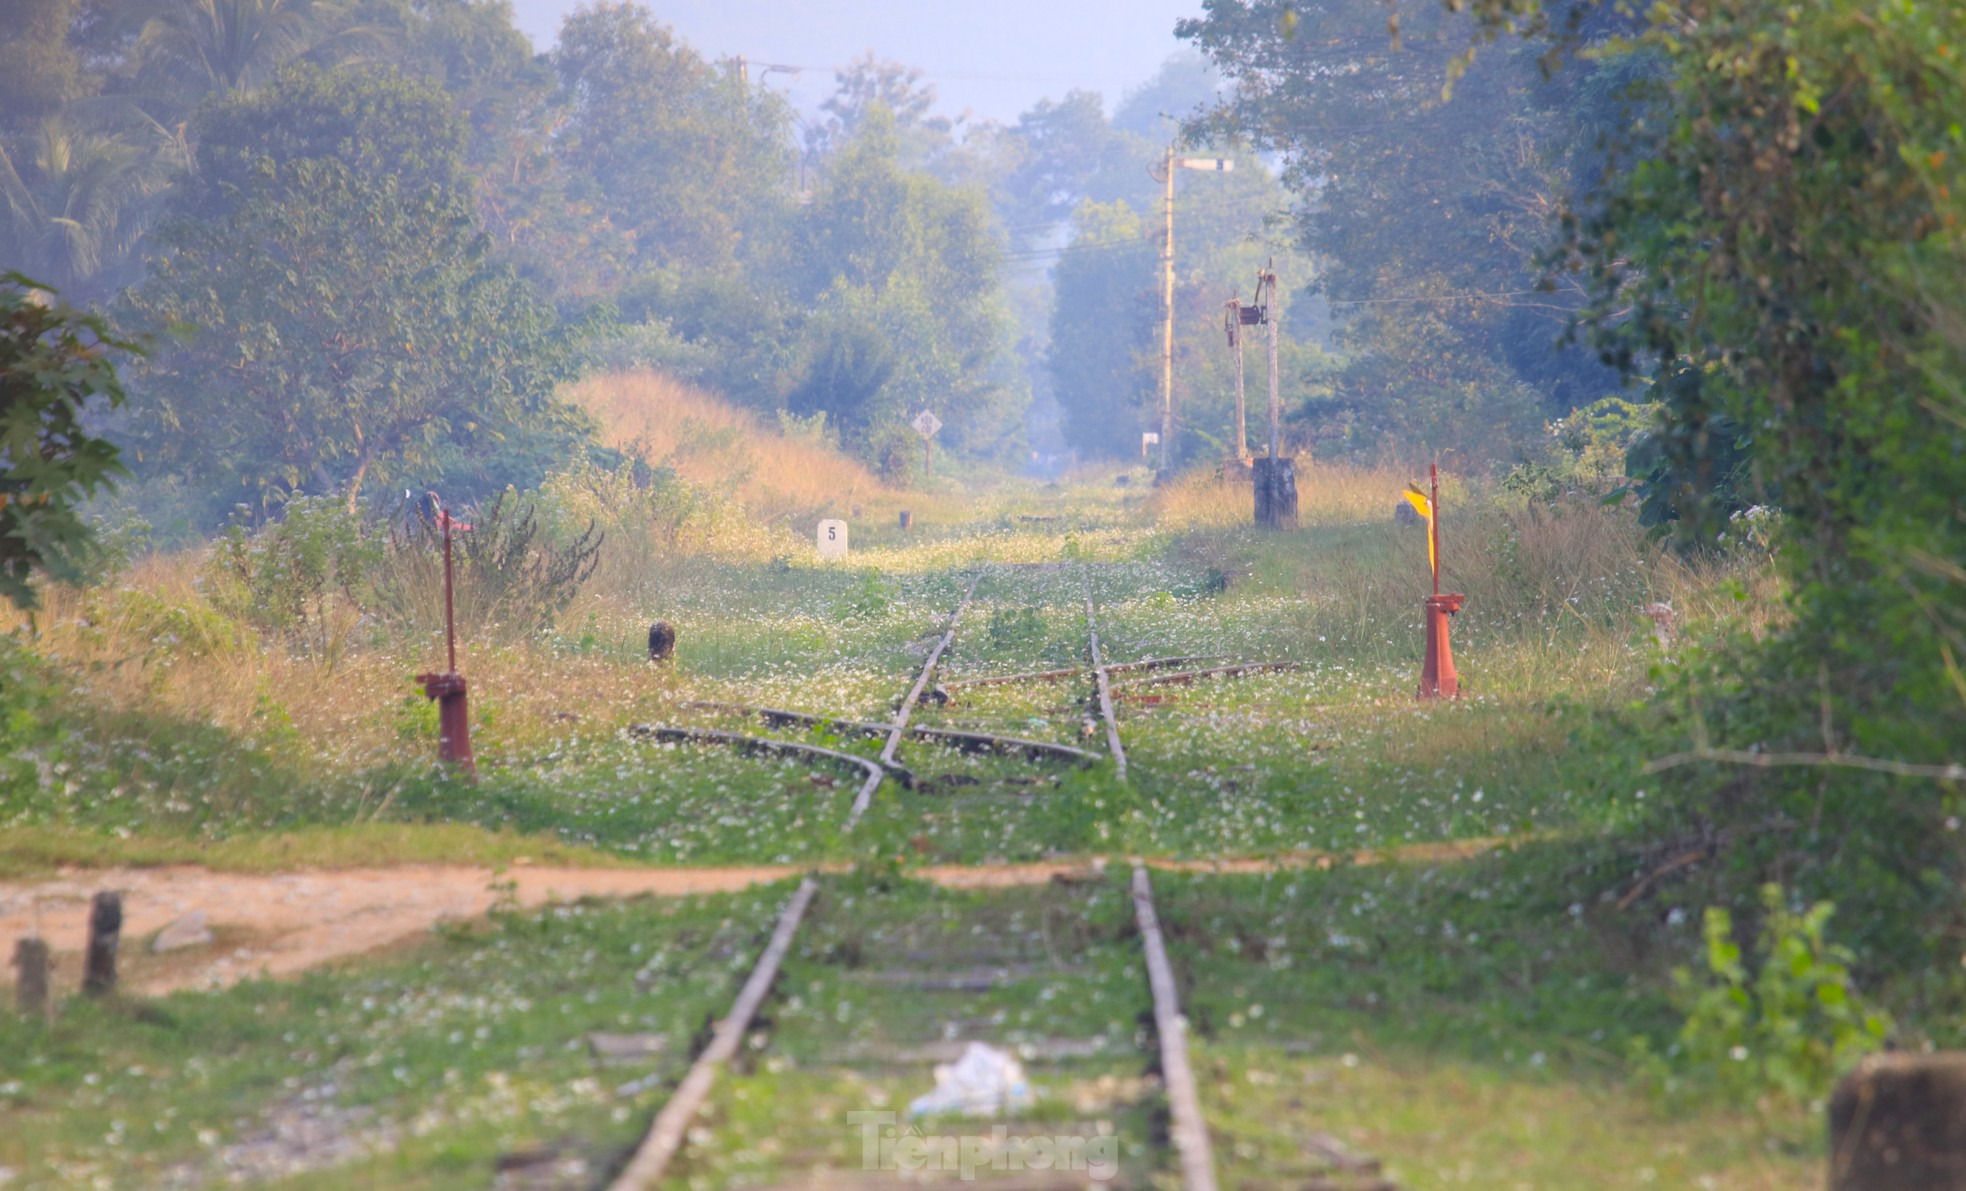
(1232, 323)
(1167, 313)
(1273, 315)
(1274, 477)
(1169, 164)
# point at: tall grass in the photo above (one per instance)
(1327, 494)
(718, 446)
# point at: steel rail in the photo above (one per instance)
(907, 707)
(758, 744)
(671, 1128)
(1187, 676)
(964, 739)
(1104, 687)
(1188, 1128)
(1072, 672)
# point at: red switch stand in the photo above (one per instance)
(1437, 677)
(448, 689)
(453, 718)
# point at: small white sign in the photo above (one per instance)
(832, 539)
(926, 424)
(1148, 438)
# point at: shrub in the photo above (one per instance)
(304, 578)
(511, 581)
(1785, 1031)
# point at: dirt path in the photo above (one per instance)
(282, 924)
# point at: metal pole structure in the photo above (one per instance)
(1167, 317)
(449, 688)
(1433, 522)
(450, 604)
(1437, 677)
(1273, 314)
(1235, 341)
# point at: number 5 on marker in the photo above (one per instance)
(832, 539)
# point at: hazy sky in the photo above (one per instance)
(997, 57)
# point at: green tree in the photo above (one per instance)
(40, 71)
(922, 135)
(347, 318)
(902, 270)
(190, 48)
(683, 158)
(1105, 320)
(1779, 253)
(1424, 209)
(74, 214)
(56, 367)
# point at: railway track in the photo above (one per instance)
(940, 986)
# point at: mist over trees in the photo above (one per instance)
(372, 237)
(1425, 197)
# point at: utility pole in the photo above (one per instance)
(1273, 315)
(1169, 164)
(1167, 317)
(1274, 477)
(1232, 323)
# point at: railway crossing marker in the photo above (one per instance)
(926, 424)
(1437, 677)
(831, 539)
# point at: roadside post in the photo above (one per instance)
(926, 424)
(449, 687)
(1437, 677)
(105, 934)
(31, 988)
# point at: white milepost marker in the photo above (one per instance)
(832, 539)
(1148, 438)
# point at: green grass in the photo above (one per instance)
(473, 1042)
(1485, 1005)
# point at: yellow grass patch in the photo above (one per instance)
(716, 445)
(1327, 494)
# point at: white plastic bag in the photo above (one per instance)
(983, 1082)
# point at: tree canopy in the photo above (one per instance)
(343, 314)
(57, 366)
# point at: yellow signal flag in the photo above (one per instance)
(1425, 508)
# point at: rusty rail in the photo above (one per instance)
(1103, 686)
(1188, 1129)
(914, 695)
(671, 1126)
(757, 744)
(1187, 676)
(777, 717)
(963, 739)
(1072, 672)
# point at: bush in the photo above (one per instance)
(510, 580)
(1787, 1030)
(304, 578)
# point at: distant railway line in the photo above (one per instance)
(975, 969)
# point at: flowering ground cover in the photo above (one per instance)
(1461, 1021)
